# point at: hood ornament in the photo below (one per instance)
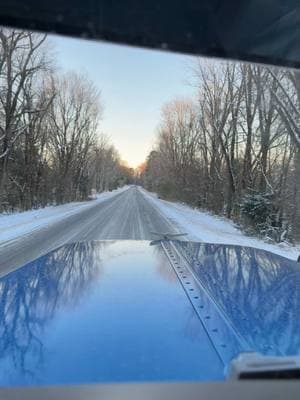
(165, 236)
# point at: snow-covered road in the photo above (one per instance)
(127, 213)
(122, 214)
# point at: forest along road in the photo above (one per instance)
(127, 215)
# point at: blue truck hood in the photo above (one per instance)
(128, 311)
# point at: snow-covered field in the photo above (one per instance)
(204, 227)
(12, 226)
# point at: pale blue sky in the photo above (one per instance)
(134, 84)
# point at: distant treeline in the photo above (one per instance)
(50, 148)
(235, 149)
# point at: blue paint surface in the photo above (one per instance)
(258, 292)
(116, 312)
(101, 312)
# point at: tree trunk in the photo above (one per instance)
(296, 199)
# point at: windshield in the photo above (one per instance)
(100, 142)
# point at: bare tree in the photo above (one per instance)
(49, 146)
(74, 117)
(230, 152)
(105, 167)
(22, 57)
(288, 106)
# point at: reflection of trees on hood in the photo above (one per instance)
(257, 290)
(31, 295)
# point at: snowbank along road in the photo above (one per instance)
(125, 215)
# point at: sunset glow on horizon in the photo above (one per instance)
(134, 84)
